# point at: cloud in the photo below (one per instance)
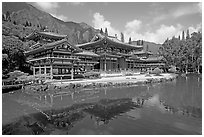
(100, 22)
(133, 25)
(47, 5)
(158, 36)
(195, 29)
(61, 17)
(164, 32)
(51, 7)
(133, 29)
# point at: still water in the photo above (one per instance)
(173, 107)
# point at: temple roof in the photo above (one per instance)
(101, 39)
(142, 52)
(152, 59)
(50, 46)
(36, 45)
(134, 57)
(109, 55)
(92, 43)
(45, 34)
(87, 53)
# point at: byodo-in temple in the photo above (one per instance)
(54, 56)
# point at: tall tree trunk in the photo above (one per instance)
(186, 69)
(198, 69)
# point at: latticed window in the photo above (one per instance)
(108, 49)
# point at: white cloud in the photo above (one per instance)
(133, 30)
(61, 17)
(133, 25)
(47, 5)
(100, 22)
(159, 36)
(51, 7)
(195, 29)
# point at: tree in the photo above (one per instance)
(138, 43)
(130, 40)
(8, 18)
(183, 54)
(27, 23)
(187, 34)
(3, 17)
(14, 48)
(183, 37)
(101, 31)
(106, 32)
(122, 37)
(142, 42)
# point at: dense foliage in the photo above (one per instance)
(185, 54)
(14, 46)
(157, 71)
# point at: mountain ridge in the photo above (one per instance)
(77, 32)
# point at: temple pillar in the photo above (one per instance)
(45, 71)
(33, 71)
(105, 65)
(51, 71)
(39, 70)
(72, 72)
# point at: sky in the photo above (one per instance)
(149, 21)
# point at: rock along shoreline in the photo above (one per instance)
(112, 81)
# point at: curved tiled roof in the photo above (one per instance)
(110, 55)
(110, 39)
(50, 46)
(90, 43)
(152, 59)
(143, 52)
(36, 45)
(87, 53)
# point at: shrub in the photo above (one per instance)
(172, 69)
(157, 71)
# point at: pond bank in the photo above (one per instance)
(114, 81)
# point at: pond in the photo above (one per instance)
(173, 107)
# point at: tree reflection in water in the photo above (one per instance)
(102, 112)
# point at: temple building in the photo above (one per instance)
(53, 56)
(114, 54)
